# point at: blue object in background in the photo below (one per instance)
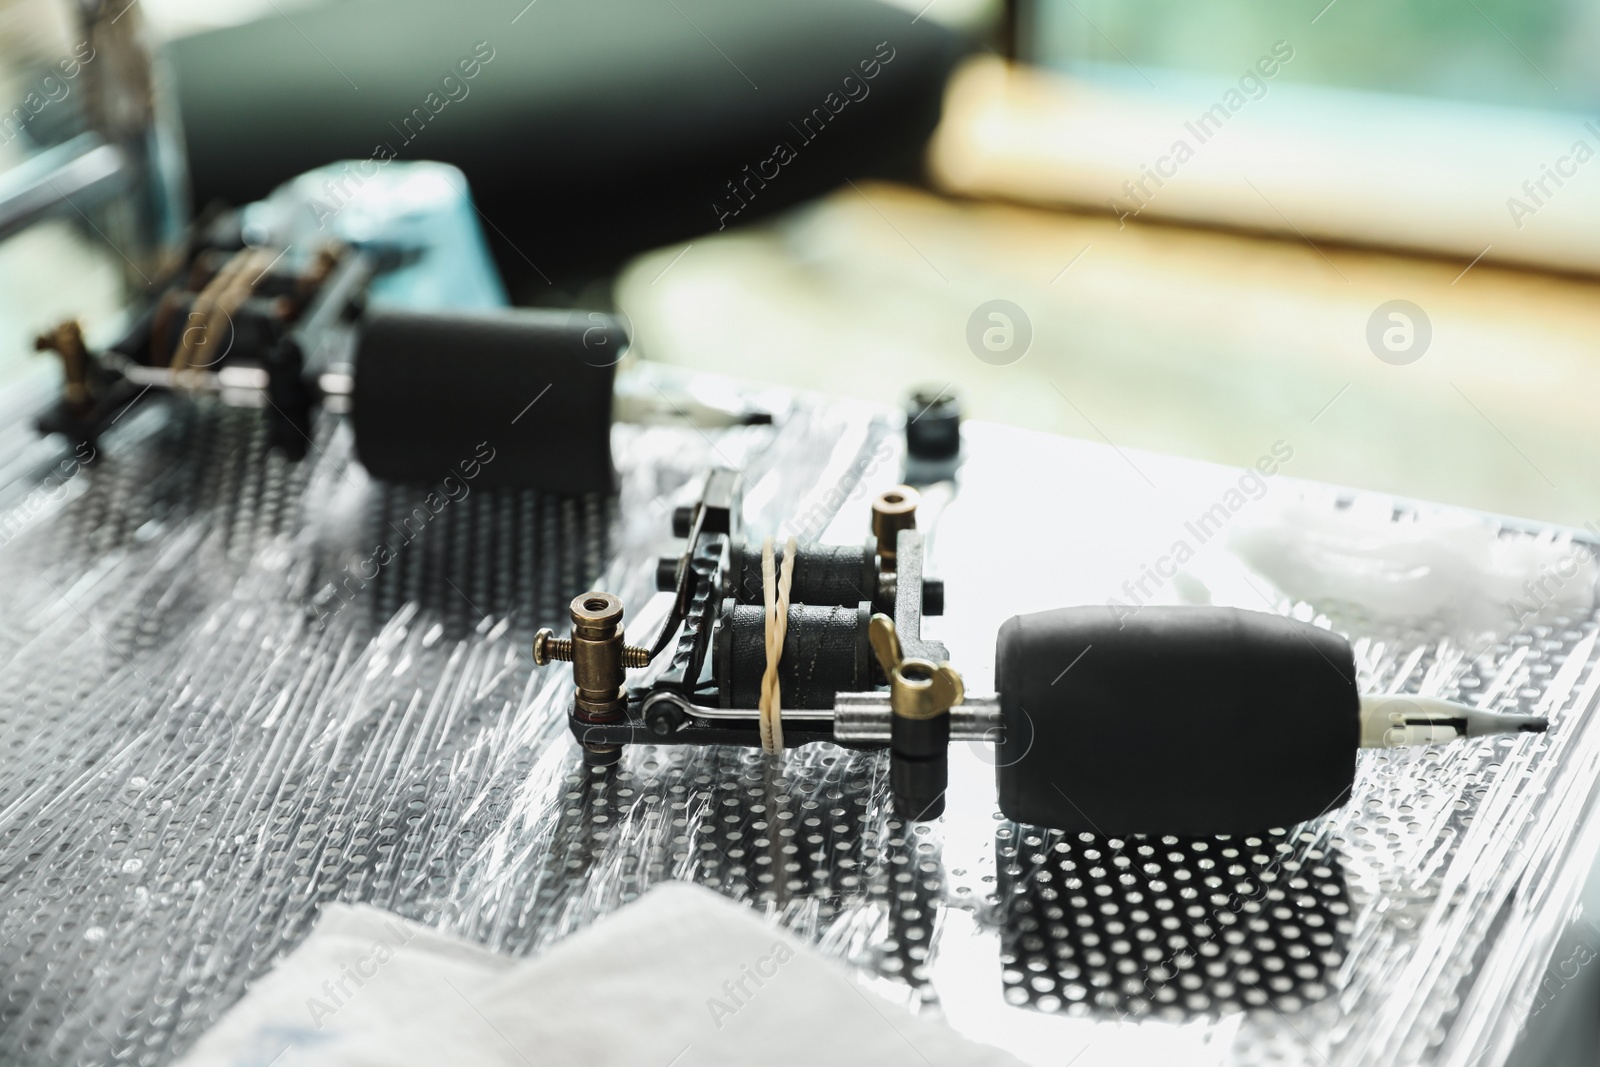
(423, 210)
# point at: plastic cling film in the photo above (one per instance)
(221, 709)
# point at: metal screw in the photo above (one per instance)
(894, 510)
(548, 648)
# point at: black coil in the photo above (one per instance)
(840, 575)
(825, 652)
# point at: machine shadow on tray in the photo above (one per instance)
(1173, 926)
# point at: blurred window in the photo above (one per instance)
(1539, 54)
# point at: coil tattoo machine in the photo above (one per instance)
(780, 645)
(1176, 720)
(287, 331)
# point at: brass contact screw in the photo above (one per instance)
(548, 648)
(66, 341)
(597, 654)
(894, 510)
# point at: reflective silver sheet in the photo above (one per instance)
(216, 713)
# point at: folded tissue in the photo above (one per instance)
(679, 978)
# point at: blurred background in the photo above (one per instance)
(1202, 220)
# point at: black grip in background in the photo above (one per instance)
(530, 389)
(1173, 720)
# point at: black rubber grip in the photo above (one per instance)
(825, 652)
(530, 389)
(841, 575)
(1173, 720)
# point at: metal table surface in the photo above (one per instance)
(217, 714)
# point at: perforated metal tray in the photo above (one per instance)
(218, 712)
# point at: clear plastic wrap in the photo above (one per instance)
(215, 718)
